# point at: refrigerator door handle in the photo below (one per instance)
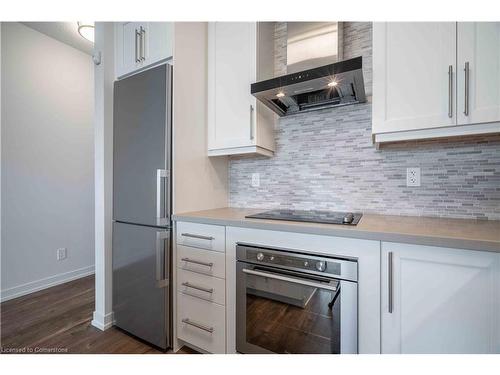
(161, 259)
(162, 194)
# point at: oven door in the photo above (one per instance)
(280, 311)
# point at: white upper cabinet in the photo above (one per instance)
(129, 43)
(419, 88)
(438, 300)
(411, 65)
(139, 45)
(237, 123)
(478, 49)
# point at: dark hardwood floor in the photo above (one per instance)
(57, 320)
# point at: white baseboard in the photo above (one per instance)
(45, 283)
(103, 322)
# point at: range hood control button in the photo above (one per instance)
(260, 257)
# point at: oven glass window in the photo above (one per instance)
(285, 317)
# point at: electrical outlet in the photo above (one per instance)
(412, 177)
(255, 179)
(61, 253)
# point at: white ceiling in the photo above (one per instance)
(65, 32)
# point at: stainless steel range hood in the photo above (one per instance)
(317, 77)
(331, 85)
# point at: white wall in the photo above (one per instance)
(47, 161)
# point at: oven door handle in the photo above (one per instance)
(269, 275)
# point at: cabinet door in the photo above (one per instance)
(443, 300)
(130, 40)
(412, 85)
(158, 39)
(232, 61)
(478, 46)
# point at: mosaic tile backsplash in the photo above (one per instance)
(326, 160)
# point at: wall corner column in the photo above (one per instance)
(103, 170)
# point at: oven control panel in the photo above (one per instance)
(329, 266)
(295, 262)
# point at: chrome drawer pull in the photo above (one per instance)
(198, 325)
(207, 290)
(210, 264)
(198, 236)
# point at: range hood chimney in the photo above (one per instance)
(313, 44)
(317, 76)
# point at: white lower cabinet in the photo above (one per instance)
(204, 262)
(439, 300)
(203, 236)
(201, 323)
(201, 286)
(208, 288)
(430, 299)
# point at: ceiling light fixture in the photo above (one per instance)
(332, 84)
(86, 30)
(280, 94)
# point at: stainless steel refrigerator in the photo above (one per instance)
(142, 126)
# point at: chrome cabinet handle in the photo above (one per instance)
(210, 264)
(192, 286)
(450, 91)
(137, 35)
(143, 43)
(251, 122)
(269, 275)
(162, 276)
(390, 281)
(162, 194)
(198, 236)
(198, 325)
(466, 98)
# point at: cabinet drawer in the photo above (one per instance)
(205, 287)
(203, 236)
(201, 323)
(207, 262)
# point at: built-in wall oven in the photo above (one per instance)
(293, 302)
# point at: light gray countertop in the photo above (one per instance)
(479, 235)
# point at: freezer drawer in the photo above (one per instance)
(141, 287)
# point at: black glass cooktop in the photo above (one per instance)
(313, 216)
